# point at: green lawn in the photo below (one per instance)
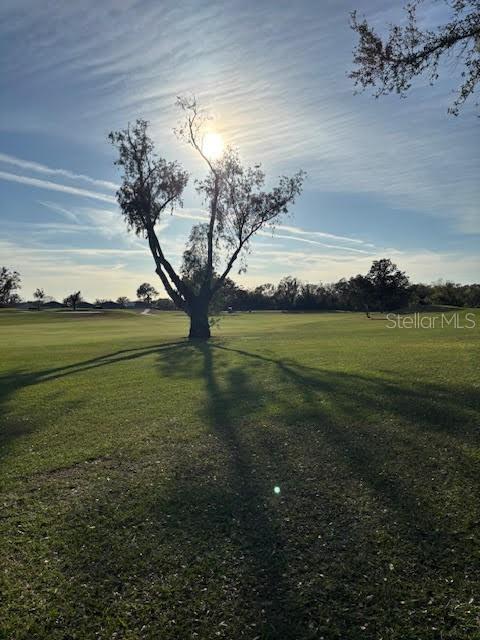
(301, 476)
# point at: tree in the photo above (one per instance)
(123, 301)
(287, 292)
(229, 295)
(9, 283)
(420, 293)
(263, 296)
(308, 297)
(355, 293)
(448, 293)
(164, 304)
(390, 287)
(361, 293)
(39, 295)
(391, 64)
(238, 207)
(73, 300)
(146, 292)
(472, 295)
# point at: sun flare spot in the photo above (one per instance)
(212, 145)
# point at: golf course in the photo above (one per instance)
(299, 476)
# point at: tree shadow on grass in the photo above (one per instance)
(13, 382)
(373, 532)
(410, 445)
(259, 533)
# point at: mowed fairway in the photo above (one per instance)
(301, 476)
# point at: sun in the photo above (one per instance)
(212, 145)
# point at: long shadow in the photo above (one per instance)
(392, 462)
(210, 522)
(426, 409)
(226, 500)
(429, 406)
(260, 534)
(13, 382)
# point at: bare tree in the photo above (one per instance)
(123, 301)
(238, 207)
(391, 64)
(73, 300)
(39, 295)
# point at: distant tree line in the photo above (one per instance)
(383, 288)
(292, 294)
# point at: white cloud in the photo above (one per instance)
(421, 266)
(319, 234)
(61, 210)
(114, 271)
(55, 186)
(41, 168)
(282, 96)
(313, 242)
(61, 271)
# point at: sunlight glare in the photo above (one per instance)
(212, 145)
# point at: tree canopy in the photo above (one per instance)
(391, 64)
(146, 292)
(9, 285)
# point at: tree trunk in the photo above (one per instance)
(199, 325)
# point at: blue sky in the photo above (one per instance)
(388, 177)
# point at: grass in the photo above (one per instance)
(139, 475)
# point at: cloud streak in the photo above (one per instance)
(66, 213)
(41, 168)
(318, 234)
(267, 96)
(320, 244)
(282, 97)
(55, 186)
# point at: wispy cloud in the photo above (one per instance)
(65, 173)
(268, 96)
(97, 273)
(318, 234)
(421, 266)
(282, 97)
(104, 222)
(55, 186)
(66, 213)
(83, 251)
(191, 214)
(319, 244)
